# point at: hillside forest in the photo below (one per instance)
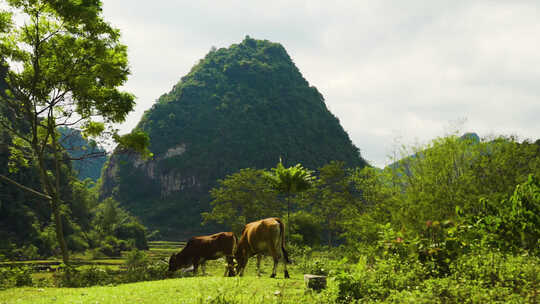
(242, 137)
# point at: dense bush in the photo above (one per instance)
(376, 282)
(15, 277)
(69, 276)
(138, 267)
(480, 277)
(519, 273)
(134, 231)
(306, 229)
(512, 224)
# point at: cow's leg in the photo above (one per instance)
(203, 266)
(229, 270)
(241, 272)
(276, 260)
(285, 272)
(196, 263)
(259, 258)
(275, 257)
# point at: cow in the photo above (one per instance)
(266, 237)
(199, 249)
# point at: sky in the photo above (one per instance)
(393, 72)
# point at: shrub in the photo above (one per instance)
(314, 266)
(140, 268)
(377, 282)
(77, 243)
(69, 276)
(136, 259)
(133, 231)
(521, 274)
(30, 252)
(15, 277)
(450, 291)
(511, 224)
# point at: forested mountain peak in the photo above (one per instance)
(245, 106)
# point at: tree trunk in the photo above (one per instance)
(60, 230)
(288, 218)
(329, 233)
(56, 198)
(54, 193)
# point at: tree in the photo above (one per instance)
(457, 171)
(333, 196)
(242, 197)
(289, 181)
(64, 66)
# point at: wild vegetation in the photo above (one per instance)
(62, 68)
(456, 221)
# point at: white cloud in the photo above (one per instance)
(387, 69)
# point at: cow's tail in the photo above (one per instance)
(282, 235)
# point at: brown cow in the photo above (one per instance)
(262, 237)
(199, 249)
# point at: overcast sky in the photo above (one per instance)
(391, 71)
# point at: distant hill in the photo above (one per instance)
(78, 147)
(472, 137)
(243, 106)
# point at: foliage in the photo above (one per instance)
(333, 198)
(306, 228)
(116, 230)
(242, 197)
(391, 274)
(456, 172)
(64, 66)
(289, 181)
(511, 224)
(15, 277)
(140, 268)
(480, 277)
(70, 276)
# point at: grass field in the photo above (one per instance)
(207, 289)
(210, 288)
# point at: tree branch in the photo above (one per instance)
(9, 180)
(87, 156)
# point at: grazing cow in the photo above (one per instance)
(262, 237)
(199, 249)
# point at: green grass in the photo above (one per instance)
(209, 289)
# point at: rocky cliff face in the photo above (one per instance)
(170, 180)
(244, 106)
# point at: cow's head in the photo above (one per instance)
(178, 261)
(241, 260)
(172, 263)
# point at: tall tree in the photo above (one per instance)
(242, 197)
(289, 181)
(334, 196)
(64, 67)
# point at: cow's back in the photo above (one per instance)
(262, 234)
